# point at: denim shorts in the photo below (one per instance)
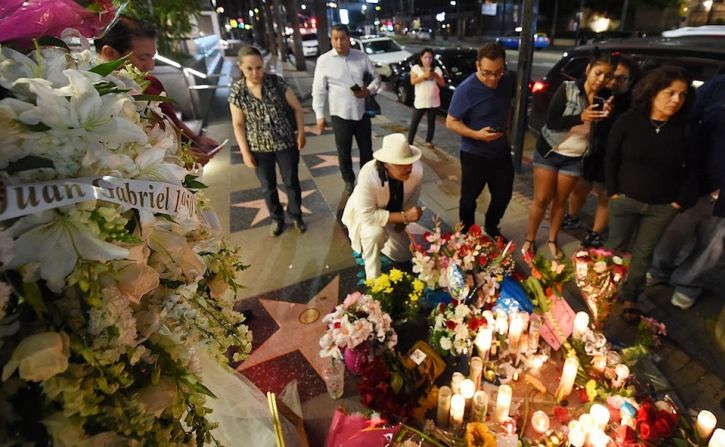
(571, 166)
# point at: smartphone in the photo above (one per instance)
(495, 129)
(599, 103)
(355, 88)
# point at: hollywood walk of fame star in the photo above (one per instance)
(263, 212)
(300, 328)
(329, 161)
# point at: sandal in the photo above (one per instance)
(631, 313)
(528, 247)
(556, 253)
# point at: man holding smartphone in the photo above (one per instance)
(479, 112)
(340, 75)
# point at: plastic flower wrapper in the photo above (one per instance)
(598, 273)
(23, 20)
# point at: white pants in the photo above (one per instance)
(385, 240)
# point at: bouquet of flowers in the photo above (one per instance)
(398, 293)
(598, 274)
(654, 424)
(358, 320)
(473, 251)
(454, 328)
(649, 334)
(111, 282)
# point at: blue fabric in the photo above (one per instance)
(478, 106)
(709, 113)
(433, 297)
(511, 291)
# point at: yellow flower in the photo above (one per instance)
(477, 435)
(395, 275)
(388, 290)
(418, 286)
(413, 297)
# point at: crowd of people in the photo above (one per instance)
(650, 147)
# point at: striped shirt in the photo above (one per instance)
(268, 128)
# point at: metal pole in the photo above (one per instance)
(523, 75)
(625, 8)
(554, 19)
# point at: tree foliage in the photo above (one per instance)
(172, 19)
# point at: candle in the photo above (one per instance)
(599, 363)
(568, 374)
(458, 408)
(706, 422)
(534, 333)
(540, 421)
(516, 328)
(581, 324)
(480, 406)
(597, 438)
(576, 434)
(718, 438)
(503, 403)
(600, 413)
(468, 389)
(456, 380)
(444, 406)
(587, 423)
(502, 322)
(476, 371)
(483, 342)
(622, 372)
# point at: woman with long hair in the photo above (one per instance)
(564, 140)
(650, 173)
(259, 103)
(427, 79)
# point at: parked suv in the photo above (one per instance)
(703, 58)
(382, 51)
(456, 63)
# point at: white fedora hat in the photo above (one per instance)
(397, 151)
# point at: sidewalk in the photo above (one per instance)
(297, 270)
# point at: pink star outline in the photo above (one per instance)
(263, 212)
(329, 161)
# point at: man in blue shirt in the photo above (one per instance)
(479, 112)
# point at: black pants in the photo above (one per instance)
(344, 131)
(287, 161)
(417, 115)
(476, 173)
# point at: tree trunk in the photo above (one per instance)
(323, 38)
(297, 36)
(277, 17)
(554, 20)
(625, 11)
(269, 23)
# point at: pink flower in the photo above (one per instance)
(351, 300)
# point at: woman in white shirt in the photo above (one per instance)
(427, 80)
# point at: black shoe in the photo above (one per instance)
(349, 186)
(593, 240)
(277, 228)
(495, 233)
(299, 225)
(570, 222)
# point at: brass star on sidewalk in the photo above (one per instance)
(300, 328)
(263, 212)
(329, 161)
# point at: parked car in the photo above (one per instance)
(420, 33)
(309, 44)
(511, 40)
(698, 56)
(383, 51)
(456, 63)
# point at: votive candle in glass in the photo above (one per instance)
(705, 424)
(581, 324)
(516, 328)
(456, 380)
(622, 372)
(468, 389)
(540, 421)
(534, 333)
(502, 322)
(597, 438)
(458, 409)
(576, 437)
(476, 371)
(503, 403)
(718, 438)
(599, 364)
(601, 415)
(480, 406)
(483, 342)
(444, 406)
(568, 375)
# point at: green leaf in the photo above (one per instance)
(191, 182)
(40, 127)
(159, 98)
(50, 41)
(679, 442)
(107, 68)
(28, 163)
(31, 294)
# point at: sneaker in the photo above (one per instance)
(349, 186)
(681, 300)
(299, 225)
(570, 222)
(277, 228)
(593, 240)
(652, 280)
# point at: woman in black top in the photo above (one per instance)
(649, 173)
(259, 103)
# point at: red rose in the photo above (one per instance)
(626, 435)
(644, 414)
(337, 325)
(583, 396)
(451, 325)
(645, 431)
(474, 230)
(562, 415)
(662, 429)
(441, 308)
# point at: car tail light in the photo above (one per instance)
(539, 86)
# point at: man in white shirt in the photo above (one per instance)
(339, 76)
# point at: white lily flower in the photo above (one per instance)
(58, 242)
(152, 166)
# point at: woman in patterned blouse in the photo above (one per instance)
(260, 104)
